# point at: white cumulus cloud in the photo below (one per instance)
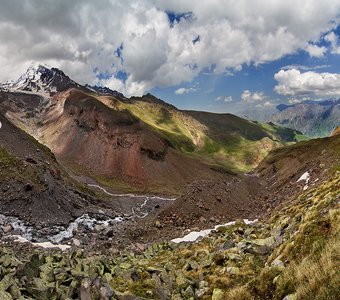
(294, 83)
(316, 51)
(182, 91)
(247, 96)
(135, 37)
(334, 41)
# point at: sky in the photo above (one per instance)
(214, 55)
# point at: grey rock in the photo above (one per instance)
(99, 227)
(201, 292)
(76, 242)
(5, 296)
(7, 228)
(203, 284)
(228, 244)
(278, 263)
(2, 220)
(189, 292)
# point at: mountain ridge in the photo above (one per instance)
(312, 118)
(237, 148)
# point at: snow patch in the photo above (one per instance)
(304, 177)
(194, 235)
(48, 245)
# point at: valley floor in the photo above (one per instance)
(293, 255)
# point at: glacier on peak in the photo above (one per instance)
(40, 78)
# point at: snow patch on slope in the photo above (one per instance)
(304, 177)
(194, 235)
(45, 245)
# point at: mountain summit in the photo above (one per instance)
(40, 79)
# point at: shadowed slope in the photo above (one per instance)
(32, 184)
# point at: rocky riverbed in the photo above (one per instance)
(90, 230)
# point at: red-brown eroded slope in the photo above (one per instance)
(113, 144)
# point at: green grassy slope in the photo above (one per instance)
(218, 139)
(221, 139)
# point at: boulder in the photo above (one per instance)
(76, 242)
(188, 293)
(181, 281)
(268, 242)
(2, 220)
(7, 228)
(203, 284)
(201, 292)
(262, 246)
(278, 263)
(228, 244)
(99, 227)
(140, 247)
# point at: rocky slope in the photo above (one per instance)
(87, 135)
(291, 255)
(275, 182)
(33, 186)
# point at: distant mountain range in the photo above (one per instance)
(312, 118)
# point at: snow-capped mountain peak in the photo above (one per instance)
(40, 78)
(33, 74)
